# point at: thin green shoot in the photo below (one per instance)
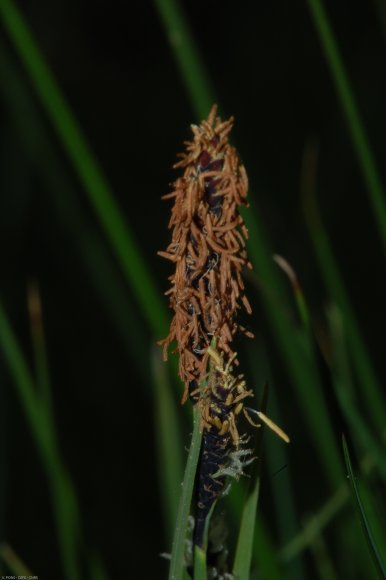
(188, 60)
(373, 549)
(244, 548)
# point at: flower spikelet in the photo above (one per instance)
(207, 248)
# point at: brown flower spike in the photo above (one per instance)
(207, 248)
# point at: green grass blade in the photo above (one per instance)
(22, 378)
(89, 173)
(344, 391)
(39, 348)
(63, 497)
(315, 525)
(168, 441)
(371, 388)
(278, 455)
(90, 247)
(265, 556)
(177, 562)
(323, 562)
(376, 557)
(244, 548)
(186, 54)
(96, 567)
(199, 563)
(297, 291)
(13, 562)
(351, 112)
(298, 357)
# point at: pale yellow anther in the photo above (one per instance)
(275, 428)
(238, 409)
(215, 356)
(241, 387)
(224, 428)
(217, 423)
(229, 399)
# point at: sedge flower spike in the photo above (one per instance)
(207, 248)
(206, 293)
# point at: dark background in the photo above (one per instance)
(114, 64)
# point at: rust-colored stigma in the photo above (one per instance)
(207, 248)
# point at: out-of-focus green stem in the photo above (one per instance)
(351, 113)
(193, 73)
(13, 562)
(371, 388)
(63, 496)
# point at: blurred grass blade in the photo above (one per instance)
(344, 390)
(297, 290)
(315, 525)
(371, 388)
(13, 562)
(324, 564)
(90, 247)
(39, 348)
(294, 346)
(278, 455)
(168, 441)
(378, 562)
(89, 173)
(62, 494)
(187, 57)
(350, 110)
(178, 548)
(96, 567)
(244, 548)
(22, 378)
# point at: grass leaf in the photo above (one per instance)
(244, 549)
(41, 425)
(350, 109)
(13, 562)
(378, 562)
(368, 380)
